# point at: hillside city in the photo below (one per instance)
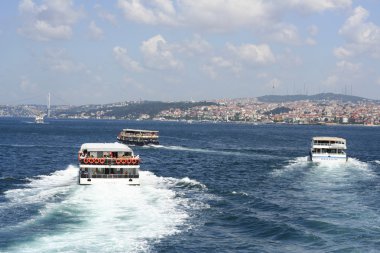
(338, 110)
(298, 112)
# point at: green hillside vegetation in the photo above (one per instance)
(134, 110)
(278, 110)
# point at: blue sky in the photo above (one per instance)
(108, 51)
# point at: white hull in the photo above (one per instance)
(125, 181)
(321, 158)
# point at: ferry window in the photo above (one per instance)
(93, 153)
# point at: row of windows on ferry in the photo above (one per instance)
(115, 171)
(329, 151)
(328, 142)
(100, 154)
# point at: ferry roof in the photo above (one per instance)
(325, 138)
(110, 147)
(139, 130)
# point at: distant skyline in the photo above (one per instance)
(101, 52)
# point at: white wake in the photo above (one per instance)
(101, 218)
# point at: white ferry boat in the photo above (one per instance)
(39, 119)
(138, 137)
(108, 163)
(328, 149)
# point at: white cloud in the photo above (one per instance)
(345, 72)
(105, 15)
(357, 30)
(95, 31)
(348, 67)
(342, 52)
(285, 33)
(149, 11)
(222, 16)
(158, 54)
(50, 20)
(122, 58)
(257, 54)
(42, 30)
(319, 5)
(194, 46)
(58, 60)
(362, 37)
(212, 15)
(219, 65)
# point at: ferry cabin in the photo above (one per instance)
(108, 163)
(328, 148)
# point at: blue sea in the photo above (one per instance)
(206, 188)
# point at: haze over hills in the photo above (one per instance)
(316, 97)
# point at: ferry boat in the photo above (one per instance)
(138, 137)
(39, 119)
(108, 163)
(328, 149)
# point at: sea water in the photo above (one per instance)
(206, 188)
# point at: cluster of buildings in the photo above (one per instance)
(323, 111)
(298, 112)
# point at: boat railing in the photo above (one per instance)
(139, 136)
(130, 160)
(334, 145)
(83, 175)
(329, 153)
(328, 144)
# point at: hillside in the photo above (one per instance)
(314, 98)
(130, 110)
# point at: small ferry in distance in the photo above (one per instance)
(39, 119)
(108, 163)
(138, 137)
(328, 149)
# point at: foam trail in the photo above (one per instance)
(44, 187)
(328, 168)
(106, 218)
(208, 151)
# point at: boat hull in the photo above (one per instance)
(125, 181)
(323, 158)
(138, 143)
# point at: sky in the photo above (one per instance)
(97, 52)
